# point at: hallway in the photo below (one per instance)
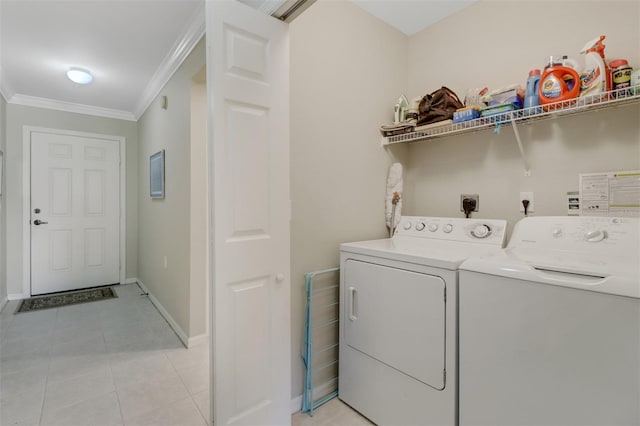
(114, 362)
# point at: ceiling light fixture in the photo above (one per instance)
(79, 76)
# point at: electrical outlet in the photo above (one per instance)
(475, 197)
(527, 196)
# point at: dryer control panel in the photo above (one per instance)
(484, 231)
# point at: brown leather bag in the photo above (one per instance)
(438, 106)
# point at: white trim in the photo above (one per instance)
(3, 303)
(47, 103)
(123, 208)
(131, 281)
(174, 325)
(17, 296)
(5, 88)
(296, 404)
(26, 198)
(198, 340)
(175, 57)
(325, 388)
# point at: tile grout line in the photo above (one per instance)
(182, 380)
(46, 380)
(113, 381)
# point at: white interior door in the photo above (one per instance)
(75, 212)
(248, 93)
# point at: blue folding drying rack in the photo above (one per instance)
(330, 302)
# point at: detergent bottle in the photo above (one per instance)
(596, 77)
(531, 98)
(558, 83)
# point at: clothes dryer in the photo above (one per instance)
(550, 327)
(398, 318)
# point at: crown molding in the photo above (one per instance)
(34, 101)
(176, 56)
(5, 88)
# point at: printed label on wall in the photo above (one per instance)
(610, 194)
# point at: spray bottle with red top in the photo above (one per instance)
(596, 77)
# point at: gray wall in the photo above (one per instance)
(519, 36)
(164, 224)
(18, 116)
(3, 207)
(347, 71)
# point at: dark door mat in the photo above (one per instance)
(65, 299)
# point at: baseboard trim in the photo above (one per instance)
(4, 303)
(296, 404)
(130, 281)
(17, 296)
(198, 340)
(174, 325)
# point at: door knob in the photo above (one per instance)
(39, 222)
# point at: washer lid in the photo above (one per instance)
(589, 253)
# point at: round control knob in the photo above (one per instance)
(595, 236)
(557, 232)
(481, 231)
(407, 226)
(419, 226)
(447, 228)
(433, 227)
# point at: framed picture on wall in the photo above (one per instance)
(156, 174)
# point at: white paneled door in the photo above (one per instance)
(248, 84)
(75, 212)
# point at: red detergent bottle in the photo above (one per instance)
(558, 83)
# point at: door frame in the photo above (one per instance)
(26, 197)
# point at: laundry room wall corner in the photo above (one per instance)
(342, 80)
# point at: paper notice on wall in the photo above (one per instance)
(610, 194)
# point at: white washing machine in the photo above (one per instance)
(398, 318)
(550, 327)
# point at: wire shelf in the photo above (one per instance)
(614, 98)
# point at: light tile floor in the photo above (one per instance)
(332, 413)
(114, 362)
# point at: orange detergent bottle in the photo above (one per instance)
(558, 83)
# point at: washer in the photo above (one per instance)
(550, 327)
(398, 318)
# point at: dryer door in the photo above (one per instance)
(397, 317)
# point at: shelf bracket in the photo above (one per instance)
(527, 170)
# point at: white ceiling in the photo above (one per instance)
(129, 46)
(132, 47)
(411, 16)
